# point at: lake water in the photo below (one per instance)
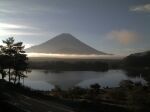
(46, 80)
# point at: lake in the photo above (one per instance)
(46, 80)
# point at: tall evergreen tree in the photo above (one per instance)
(14, 59)
(8, 50)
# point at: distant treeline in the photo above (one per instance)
(69, 66)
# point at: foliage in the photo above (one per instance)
(13, 59)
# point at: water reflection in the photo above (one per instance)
(46, 80)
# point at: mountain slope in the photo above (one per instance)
(64, 44)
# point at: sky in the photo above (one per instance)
(113, 26)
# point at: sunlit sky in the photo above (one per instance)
(112, 26)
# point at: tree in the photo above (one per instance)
(3, 64)
(3, 73)
(20, 66)
(9, 51)
(95, 87)
(20, 61)
(94, 90)
(15, 58)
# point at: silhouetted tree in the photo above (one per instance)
(95, 86)
(3, 62)
(3, 73)
(20, 61)
(20, 66)
(94, 90)
(14, 57)
(8, 50)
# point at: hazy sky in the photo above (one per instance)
(113, 26)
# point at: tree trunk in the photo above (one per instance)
(9, 74)
(19, 78)
(3, 76)
(15, 77)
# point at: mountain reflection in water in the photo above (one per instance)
(46, 80)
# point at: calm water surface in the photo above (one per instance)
(46, 80)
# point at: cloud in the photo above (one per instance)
(22, 33)
(7, 29)
(16, 7)
(141, 8)
(123, 36)
(28, 45)
(7, 11)
(33, 10)
(13, 26)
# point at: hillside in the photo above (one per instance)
(141, 59)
